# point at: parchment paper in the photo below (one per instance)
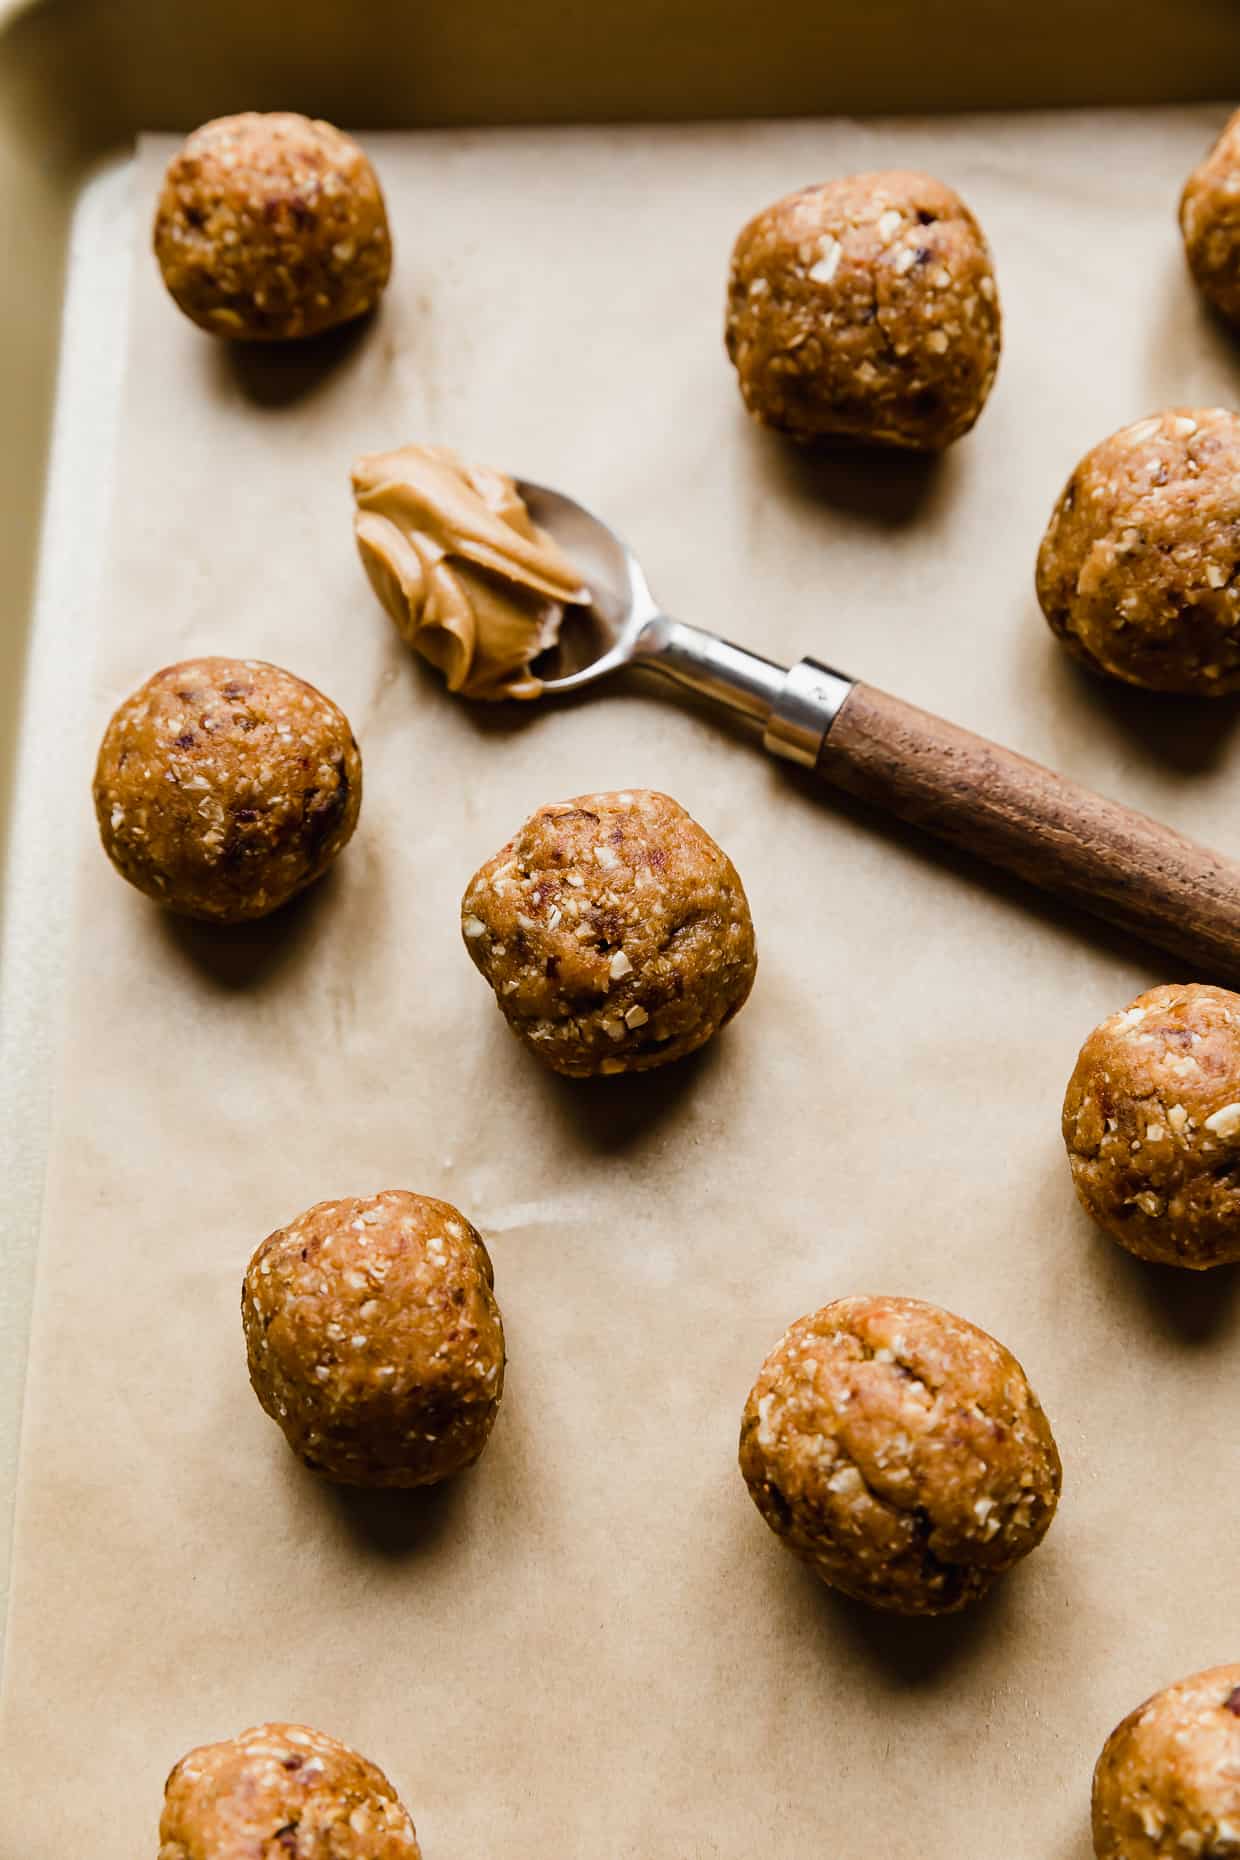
(590, 1644)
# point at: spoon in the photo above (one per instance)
(1115, 863)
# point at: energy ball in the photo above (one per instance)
(865, 309)
(374, 1339)
(1210, 223)
(225, 786)
(1152, 1123)
(282, 1790)
(900, 1452)
(1168, 1780)
(1137, 572)
(614, 931)
(271, 228)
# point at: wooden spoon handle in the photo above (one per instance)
(1118, 864)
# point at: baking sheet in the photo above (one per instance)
(590, 1642)
(35, 928)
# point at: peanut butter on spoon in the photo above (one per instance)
(467, 575)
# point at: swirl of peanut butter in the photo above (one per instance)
(467, 575)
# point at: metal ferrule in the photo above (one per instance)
(802, 714)
(794, 709)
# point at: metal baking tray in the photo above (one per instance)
(78, 79)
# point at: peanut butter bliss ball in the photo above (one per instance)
(225, 786)
(1210, 223)
(900, 1452)
(1137, 572)
(865, 309)
(282, 1790)
(1168, 1781)
(272, 227)
(1151, 1120)
(614, 931)
(374, 1338)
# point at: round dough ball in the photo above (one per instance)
(900, 1452)
(1168, 1780)
(225, 786)
(1137, 572)
(374, 1339)
(272, 227)
(282, 1789)
(865, 309)
(614, 931)
(1210, 223)
(1151, 1119)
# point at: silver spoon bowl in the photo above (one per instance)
(624, 626)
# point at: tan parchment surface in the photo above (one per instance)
(590, 1645)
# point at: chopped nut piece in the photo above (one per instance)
(826, 267)
(1225, 1122)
